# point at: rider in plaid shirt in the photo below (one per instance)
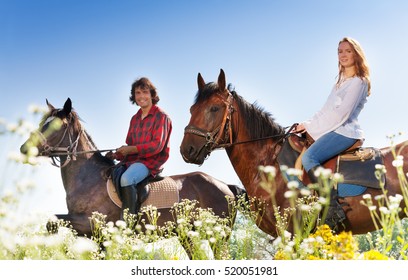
(150, 136)
(148, 142)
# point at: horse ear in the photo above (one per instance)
(200, 82)
(221, 80)
(50, 107)
(67, 107)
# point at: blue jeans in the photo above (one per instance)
(134, 174)
(326, 147)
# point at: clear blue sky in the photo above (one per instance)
(281, 54)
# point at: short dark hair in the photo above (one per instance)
(144, 83)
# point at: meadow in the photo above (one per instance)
(209, 237)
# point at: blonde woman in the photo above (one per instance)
(335, 127)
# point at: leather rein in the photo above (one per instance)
(212, 138)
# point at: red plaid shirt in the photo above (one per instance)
(151, 136)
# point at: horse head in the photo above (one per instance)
(209, 126)
(57, 135)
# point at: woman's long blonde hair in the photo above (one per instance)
(361, 65)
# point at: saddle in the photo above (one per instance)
(142, 188)
(356, 164)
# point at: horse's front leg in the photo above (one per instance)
(79, 222)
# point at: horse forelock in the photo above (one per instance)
(206, 92)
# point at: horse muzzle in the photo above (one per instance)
(192, 155)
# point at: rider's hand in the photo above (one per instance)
(127, 150)
(300, 128)
(116, 155)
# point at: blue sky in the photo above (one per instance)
(281, 54)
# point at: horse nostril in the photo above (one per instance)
(191, 151)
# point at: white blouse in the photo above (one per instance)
(341, 110)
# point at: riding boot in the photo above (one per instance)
(311, 173)
(129, 199)
(335, 215)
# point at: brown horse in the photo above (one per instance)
(83, 172)
(251, 138)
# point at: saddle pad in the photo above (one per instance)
(162, 194)
(345, 190)
(361, 172)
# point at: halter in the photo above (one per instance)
(213, 137)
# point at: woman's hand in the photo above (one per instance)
(300, 128)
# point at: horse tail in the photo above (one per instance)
(238, 192)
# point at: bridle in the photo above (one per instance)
(212, 138)
(70, 151)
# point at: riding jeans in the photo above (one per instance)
(134, 174)
(324, 148)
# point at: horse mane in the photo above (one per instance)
(260, 121)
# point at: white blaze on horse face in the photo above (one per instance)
(49, 120)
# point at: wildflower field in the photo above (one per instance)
(24, 236)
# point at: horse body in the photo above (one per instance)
(83, 173)
(251, 139)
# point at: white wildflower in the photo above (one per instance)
(317, 207)
(379, 197)
(198, 223)
(121, 224)
(338, 177)
(396, 199)
(119, 239)
(83, 245)
(384, 210)
(372, 208)
(380, 167)
(305, 192)
(322, 200)
(290, 194)
(293, 185)
(150, 227)
(270, 170)
(394, 207)
(398, 162)
(320, 240)
(294, 172)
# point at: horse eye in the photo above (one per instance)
(214, 109)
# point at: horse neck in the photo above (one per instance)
(81, 164)
(254, 150)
